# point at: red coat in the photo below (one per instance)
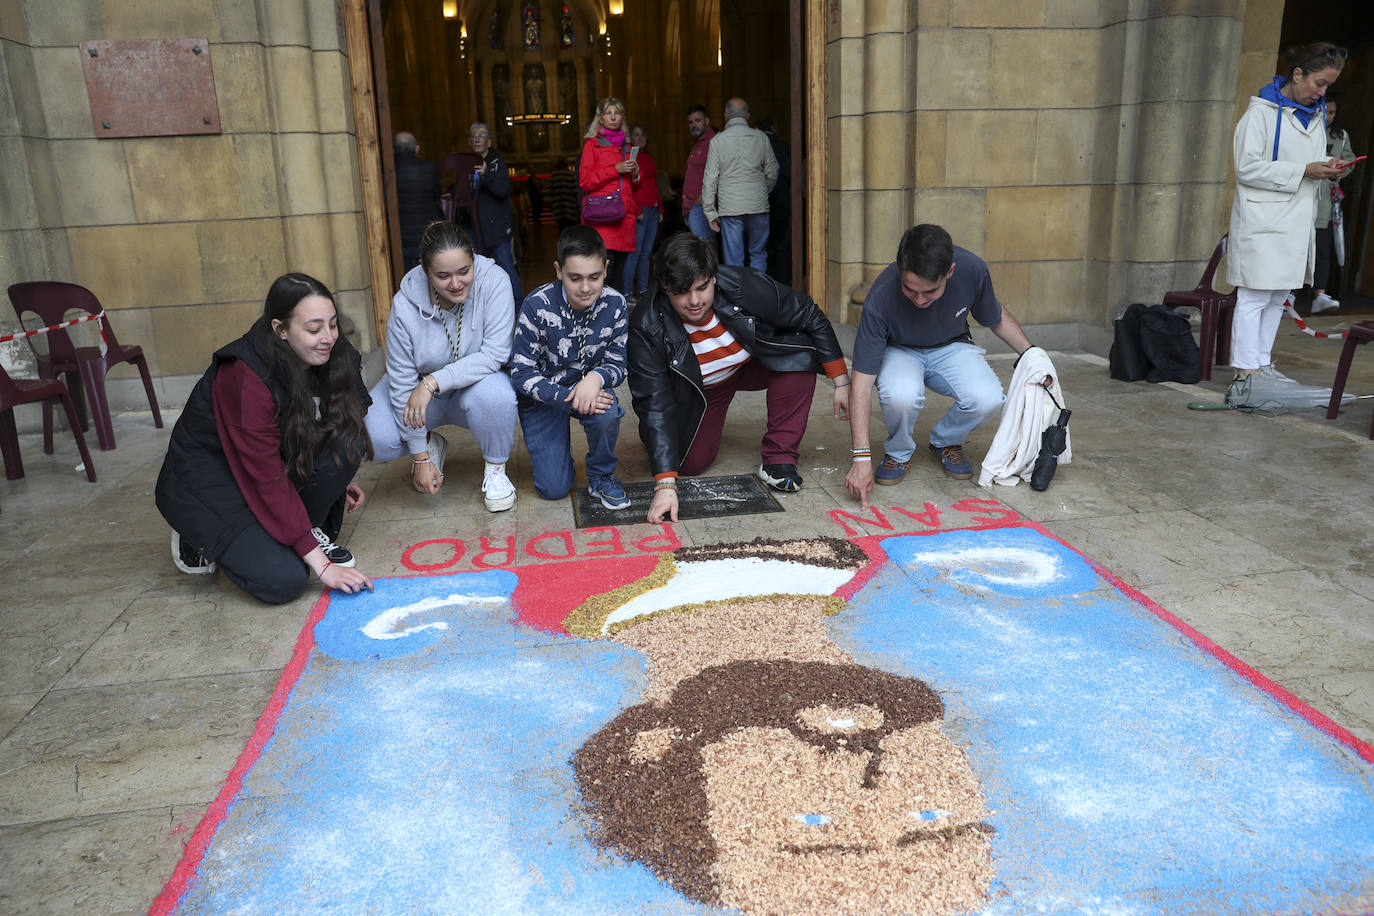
(598, 176)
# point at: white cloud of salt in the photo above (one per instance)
(715, 580)
(383, 626)
(997, 565)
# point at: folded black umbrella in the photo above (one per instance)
(1052, 443)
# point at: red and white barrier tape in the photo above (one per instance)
(1302, 325)
(6, 338)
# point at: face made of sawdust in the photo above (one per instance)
(805, 831)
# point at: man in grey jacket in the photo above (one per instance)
(740, 171)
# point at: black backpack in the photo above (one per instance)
(1155, 343)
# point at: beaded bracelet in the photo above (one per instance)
(416, 462)
(430, 383)
(665, 484)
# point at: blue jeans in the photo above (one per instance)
(550, 444)
(503, 255)
(955, 370)
(700, 226)
(637, 265)
(739, 232)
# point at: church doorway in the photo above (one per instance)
(534, 72)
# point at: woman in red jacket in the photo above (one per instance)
(607, 169)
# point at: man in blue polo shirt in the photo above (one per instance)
(914, 335)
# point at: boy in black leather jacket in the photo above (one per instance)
(703, 333)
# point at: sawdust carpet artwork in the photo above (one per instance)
(956, 721)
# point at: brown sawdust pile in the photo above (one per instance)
(710, 800)
(680, 645)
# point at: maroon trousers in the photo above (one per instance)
(789, 403)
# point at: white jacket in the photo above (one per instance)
(1025, 415)
(1273, 236)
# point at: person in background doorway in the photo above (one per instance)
(607, 169)
(646, 227)
(699, 126)
(740, 171)
(491, 187)
(417, 195)
(1329, 190)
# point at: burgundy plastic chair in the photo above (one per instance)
(16, 391)
(50, 301)
(459, 197)
(1361, 332)
(1216, 310)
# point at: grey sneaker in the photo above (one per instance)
(1274, 375)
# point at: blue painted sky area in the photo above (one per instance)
(428, 773)
(1129, 772)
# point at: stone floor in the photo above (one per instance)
(128, 689)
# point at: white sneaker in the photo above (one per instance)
(497, 490)
(1273, 374)
(1323, 302)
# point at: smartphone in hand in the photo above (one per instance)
(1347, 164)
(634, 153)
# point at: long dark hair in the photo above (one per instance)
(335, 383)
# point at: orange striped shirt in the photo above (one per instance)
(716, 349)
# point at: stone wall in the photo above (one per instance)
(181, 236)
(1081, 147)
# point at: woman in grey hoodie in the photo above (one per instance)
(447, 343)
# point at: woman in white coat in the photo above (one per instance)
(1279, 151)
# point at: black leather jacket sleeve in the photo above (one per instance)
(656, 389)
(790, 332)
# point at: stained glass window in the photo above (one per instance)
(495, 33)
(529, 19)
(565, 29)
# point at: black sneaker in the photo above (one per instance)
(189, 559)
(782, 477)
(335, 554)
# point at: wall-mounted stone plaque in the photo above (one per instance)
(154, 87)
